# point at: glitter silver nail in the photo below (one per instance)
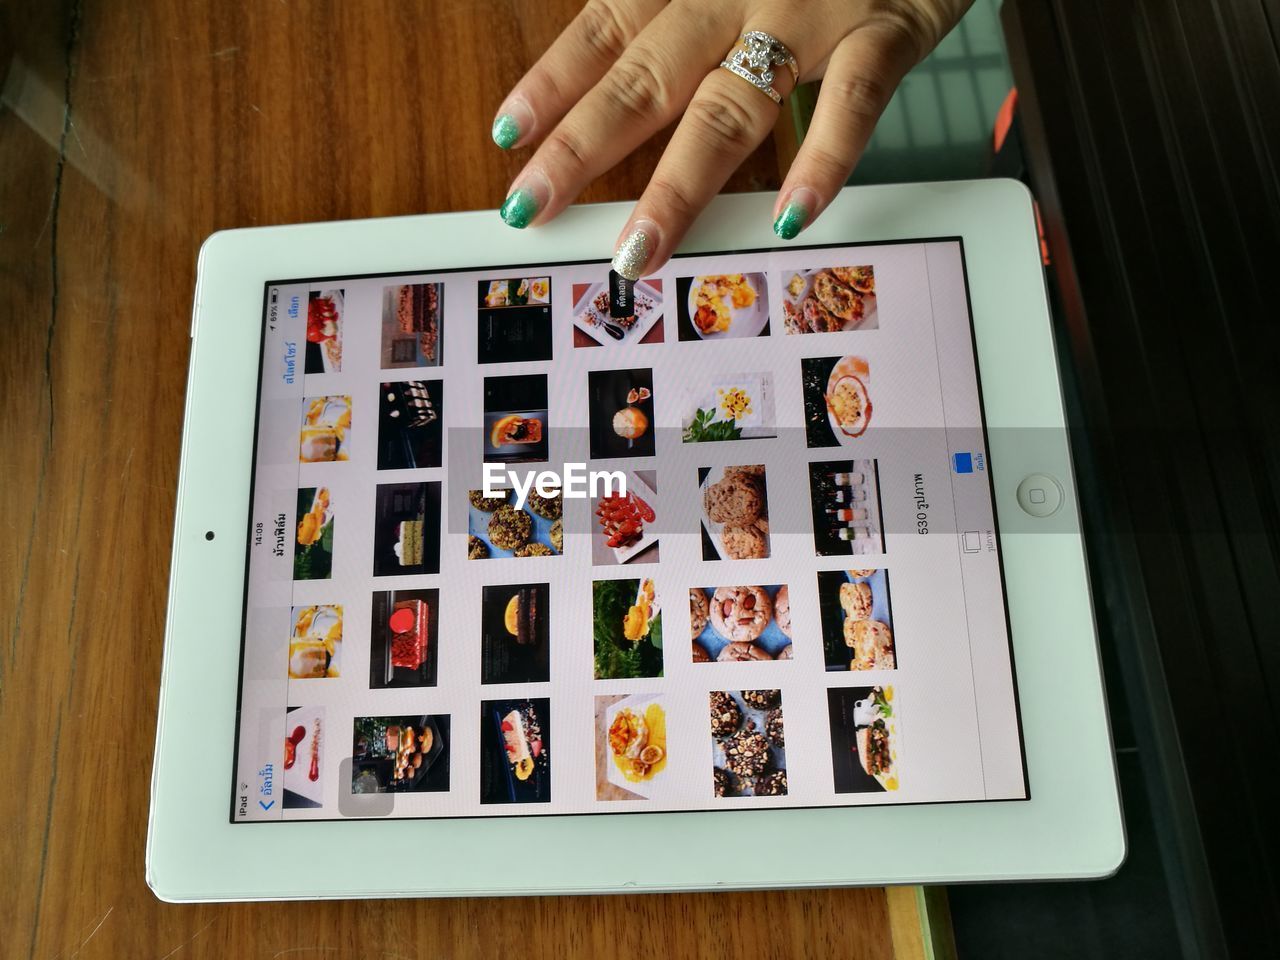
(632, 255)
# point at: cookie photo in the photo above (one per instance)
(736, 499)
(741, 653)
(487, 504)
(549, 507)
(698, 612)
(761, 699)
(782, 609)
(771, 784)
(725, 714)
(872, 644)
(740, 614)
(535, 550)
(509, 528)
(773, 727)
(856, 600)
(745, 542)
(746, 753)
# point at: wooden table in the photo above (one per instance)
(128, 133)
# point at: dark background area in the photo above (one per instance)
(1149, 133)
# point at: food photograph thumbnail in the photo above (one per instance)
(626, 627)
(857, 622)
(625, 525)
(406, 531)
(515, 418)
(498, 529)
(515, 751)
(303, 762)
(723, 307)
(735, 512)
(315, 642)
(728, 406)
(412, 325)
(594, 324)
(830, 300)
(513, 321)
(748, 747)
(740, 624)
(404, 638)
(620, 405)
(864, 739)
(631, 747)
(324, 332)
(400, 754)
(410, 431)
(845, 499)
(326, 421)
(313, 547)
(515, 636)
(837, 400)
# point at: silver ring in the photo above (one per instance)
(753, 58)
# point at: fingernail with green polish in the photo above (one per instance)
(506, 131)
(791, 220)
(519, 209)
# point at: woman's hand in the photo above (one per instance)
(624, 69)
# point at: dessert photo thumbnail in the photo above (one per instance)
(403, 638)
(406, 529)
(740, 624)
(631, 747)
(837, 400)
(303, 758)
(513, 321)
(400, 754)
(515, 637)
(735, 512)
(728, 406)
(723, 306)
(410, 431)
(313, 546)
(326, 422)
(515, 418)
(595, 326)
(748, 749)
(844, 496)
(515, 751)
(864, 739)
(626, 628)
(324, 332)
(412, 325)
(830, 300)
(625, 528)
(620, 405)
(497, 528)
(857, 620)
(315, 642)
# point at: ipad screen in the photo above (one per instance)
(523, 541)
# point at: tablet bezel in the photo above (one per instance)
(1071, 826)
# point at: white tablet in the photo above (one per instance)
(489, 578)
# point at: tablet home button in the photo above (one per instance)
(1040, 495)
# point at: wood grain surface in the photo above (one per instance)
(128, 133)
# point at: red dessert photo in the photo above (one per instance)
(409, 625)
